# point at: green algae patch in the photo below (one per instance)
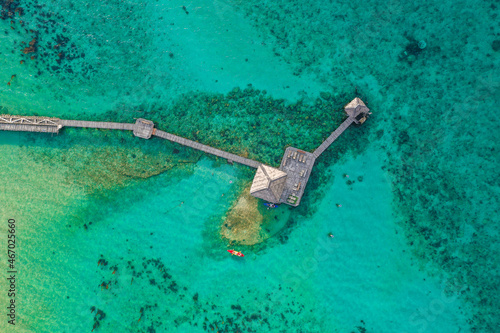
(99, 161)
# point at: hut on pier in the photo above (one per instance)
(268, 183)
(357, 110)
(143, 128)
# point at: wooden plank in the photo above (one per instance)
(98, 124)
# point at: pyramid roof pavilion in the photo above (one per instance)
(268, 183)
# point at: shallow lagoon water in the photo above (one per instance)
(414, 239)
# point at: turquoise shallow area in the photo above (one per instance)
(132, 227)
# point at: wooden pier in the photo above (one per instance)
(357, 113)
(98, 124)
(207, 149)
(285, 184)
(333, 136)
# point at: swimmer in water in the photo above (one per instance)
(330, 234)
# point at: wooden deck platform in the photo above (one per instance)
(298, 165)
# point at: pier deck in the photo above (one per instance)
(98, 124)
(298, 165)
(284, 185)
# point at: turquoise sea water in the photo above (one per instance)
(131, 227)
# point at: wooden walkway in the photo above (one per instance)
(141, 128)
(296, 164)
(98, 124)
(207, 149)
(53, 125)
(333, 137)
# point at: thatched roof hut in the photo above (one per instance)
(268, 183)
(358, 110)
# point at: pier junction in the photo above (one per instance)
(285, 184)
